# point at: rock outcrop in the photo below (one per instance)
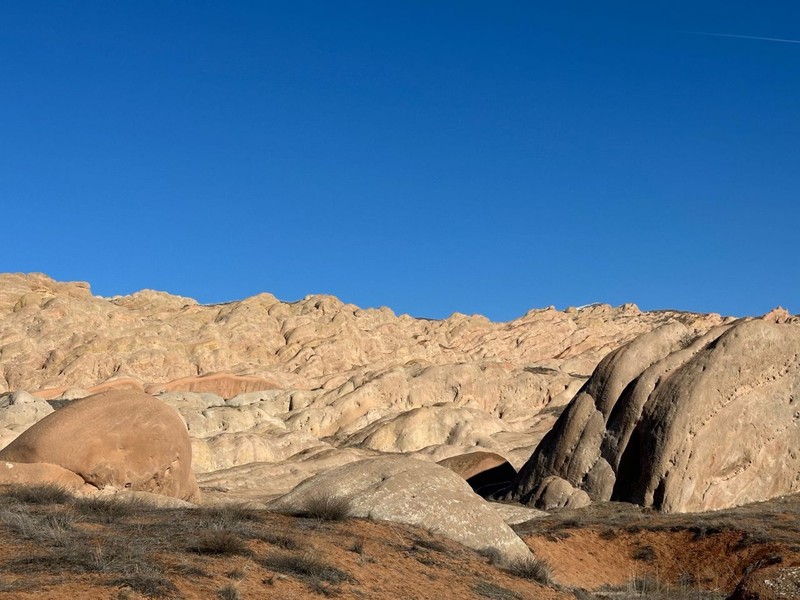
(679, 422)
(122, 440)
(275, 389)
(415, 492)
(485, 472)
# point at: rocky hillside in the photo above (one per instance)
(262, 380)
(58, 335)
(319, 407)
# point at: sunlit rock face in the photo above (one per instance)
(279, 392)
(680, 422)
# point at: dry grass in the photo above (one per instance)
(142, 551)
(38, 494)
(229, 592)
(327, 507)
(219, 541)
(486, 589)
(532, 568)
(310, 568)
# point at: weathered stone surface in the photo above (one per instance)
(58, 335)
(12, 473)
(428, 426)
(263, 481)
(681, 423)
(341, 379)
(221, 384)
(19, 410)
(119, 439)
(769, 579)
(416, 492)
(485, 472)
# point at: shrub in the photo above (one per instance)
(358, 545)
(494, 556)
(434, 545)
(148, 584)
(228, 515)
(51, 530)
(608, 534)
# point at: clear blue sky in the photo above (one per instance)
(480, 157)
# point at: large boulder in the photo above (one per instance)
(118, 439)
(485, 472)
(406, 490)
(40, 474)
(679, 422)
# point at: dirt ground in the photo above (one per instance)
(60, 548)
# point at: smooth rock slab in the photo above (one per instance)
(406, 490)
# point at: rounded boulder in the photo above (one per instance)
(120, 439)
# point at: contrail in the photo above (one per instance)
(744, 37)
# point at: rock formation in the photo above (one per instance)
(485, 472)
(679, 422)
(122, 440)
(331, 374)
(411, 491)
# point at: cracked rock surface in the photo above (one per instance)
(680, 422)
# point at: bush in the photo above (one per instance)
(148, 584)
(493, 555)
(434, 545)
(228, 515)
(358, 545)
(50, 530)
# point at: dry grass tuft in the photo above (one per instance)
(219, 542)
(327, 507)
(109, 510)
(535, 569)
(280, 539)
(485, 589)
(309, 567)
(229, 592)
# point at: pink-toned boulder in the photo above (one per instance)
(39, 474)
(116, 439)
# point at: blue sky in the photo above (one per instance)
(428, 156)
